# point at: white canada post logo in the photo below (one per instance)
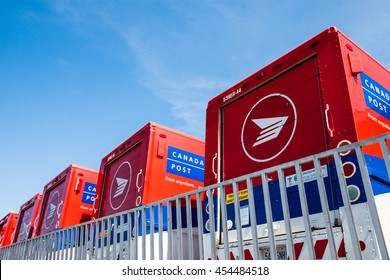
(269, 127)
(120, 185)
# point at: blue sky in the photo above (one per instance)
(78, 77)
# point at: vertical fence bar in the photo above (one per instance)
(72, 235)
(121, 235)
(169, 218)
(237, 212)
(53, 252)
(224, 222)
(347, 207)
(94, 242)
(160, 232)
(104, 242)
(143, 225)
(79, 242)
(137, 226)
(84, 240)
(268, 214)
(62, 244)
(385, 154)
(200, 224)
(130, 235)
(151, 231)
(65, 249)
(114, 237)
(179, 231)
(305, 212)
(371, 204)
(97, 246)
(33, 249)
(252, 216)
(108, 228)
(286, 214)
(325, 208)
(212, 223)
(188, 208)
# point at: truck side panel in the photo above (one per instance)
(67, 199)
(312, 99)
(27, 217)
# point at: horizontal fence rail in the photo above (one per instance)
(241, 218)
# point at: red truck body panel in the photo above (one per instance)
(155, 163)
(7, 228)
(325, 93)
(27, 218)
(67, 199)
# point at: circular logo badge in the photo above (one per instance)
(120, 185)
(269, 127)
(52, 208)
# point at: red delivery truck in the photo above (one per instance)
(324, 94)
(7, 228)
(155, 163)
(27, 218)
(67, 199)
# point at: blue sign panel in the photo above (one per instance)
(185, 164)
(376, 96)
(89, 193)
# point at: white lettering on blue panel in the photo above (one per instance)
(89, 193)
(377, 97)
(186, 164)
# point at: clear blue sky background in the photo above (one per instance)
(78, 77)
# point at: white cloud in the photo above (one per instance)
(180, 51)
(187, 92)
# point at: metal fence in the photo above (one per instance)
(222, 221)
